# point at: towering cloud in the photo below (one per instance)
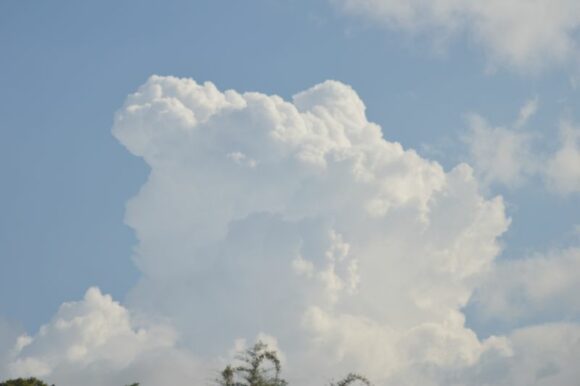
(298, 219)
(297, 222)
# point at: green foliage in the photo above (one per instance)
(23, 382)
(352, 378)
(33, 382)
(252, 371)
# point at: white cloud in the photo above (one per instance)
(542, 287)
(544, 355)
(520, 34)
(333, 235)
(95, 342)
(541, 355)
(501, 155)
(9, 334)
(339, 247)
(526, 112)
(507, 155)
(562, 171)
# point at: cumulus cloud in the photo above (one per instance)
(539, 355)
(562, 171)
(337, 242)
(9, 334)
(502, 155)
(520, 34)
(95, 341)
(526, 112)
(540, 288)
(297, 223)
(507, 155)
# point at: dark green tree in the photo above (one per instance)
(33, 382)
(23, 382)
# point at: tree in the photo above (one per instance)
(33, 382)
(253, 370)
(351, 378)
(23, 382)
(253, 373)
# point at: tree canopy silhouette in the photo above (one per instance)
(352, 378)
(33, 382)
(23, 382)
(258, 367)
(254, 370)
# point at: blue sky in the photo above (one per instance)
(67, 67)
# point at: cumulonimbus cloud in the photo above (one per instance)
(300, 220)
(295, 221)
(523, 35)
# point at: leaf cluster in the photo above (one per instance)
(253, 372)
(23, 382)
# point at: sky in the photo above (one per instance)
(382, 186)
